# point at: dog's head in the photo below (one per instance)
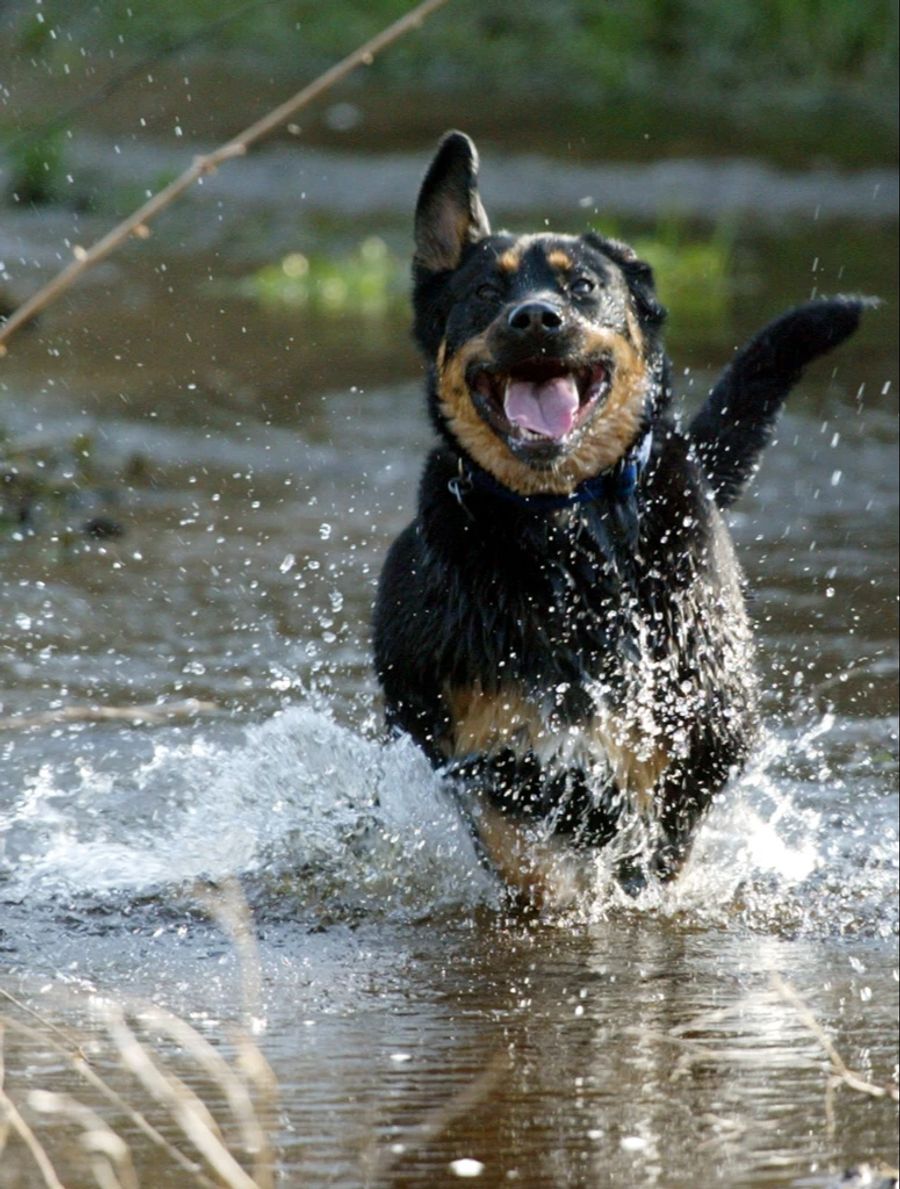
(545, 348)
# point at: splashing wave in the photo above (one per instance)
(315, 817)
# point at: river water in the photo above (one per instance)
(259, 463)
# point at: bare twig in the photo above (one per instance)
(69, 1042)
(136, 223)
(840, 1074)
(143, 715)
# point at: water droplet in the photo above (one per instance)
(466, 1168)
(632, 1143)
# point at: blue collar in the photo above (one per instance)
(616, 483)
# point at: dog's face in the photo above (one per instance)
(545, 348)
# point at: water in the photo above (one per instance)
(418, 1033)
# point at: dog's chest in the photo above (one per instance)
(608, 742)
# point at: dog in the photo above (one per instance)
(562, 629)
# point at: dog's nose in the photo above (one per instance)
(539, 316)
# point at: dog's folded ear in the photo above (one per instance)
(449, 214)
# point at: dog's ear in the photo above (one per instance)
(449, 214)
(638, 276)
(640, 280)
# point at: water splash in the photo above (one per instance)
(317, 818)
(299, 805)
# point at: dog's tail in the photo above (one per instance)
(738, 418)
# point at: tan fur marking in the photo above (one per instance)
(635, 773)
(540, 871)
(634, 330)
(603, 443)
(485, 723)
(560, 259)
(510, 260)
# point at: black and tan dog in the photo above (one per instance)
(562, 627)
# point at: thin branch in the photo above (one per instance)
(840, 1072)
(136, 224)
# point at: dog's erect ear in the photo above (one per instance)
(449, 214)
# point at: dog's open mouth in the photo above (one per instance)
(541, 402)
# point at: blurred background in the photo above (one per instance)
(800, 81)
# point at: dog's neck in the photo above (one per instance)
(615, 484)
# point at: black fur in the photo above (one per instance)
(739, 417)
(624, 607)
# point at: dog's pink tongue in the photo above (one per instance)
(549, 408)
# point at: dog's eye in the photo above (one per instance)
(488, 292)
(582, 286)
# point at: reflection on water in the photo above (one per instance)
(417, 1034)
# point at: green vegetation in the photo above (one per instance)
(571, 51)
(693, 271)
(693, 268)
(369, 280)
(35, 167)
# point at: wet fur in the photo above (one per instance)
(585, 673)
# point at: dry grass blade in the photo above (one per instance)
(142, 715)
(228, 907)
(236, 1092)
(187, 1110)
(136, 224)
(377, 1164)
(110, 1156)
(226, 904)
(125, 1024)
(9, 1113)
(71, 1050)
